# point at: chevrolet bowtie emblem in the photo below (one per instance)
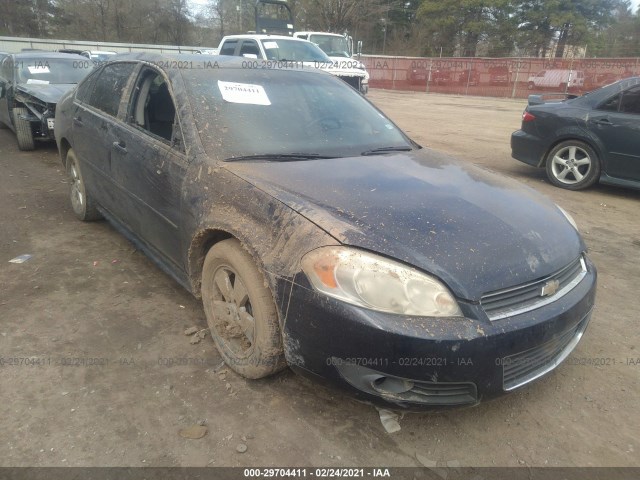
(550, 288)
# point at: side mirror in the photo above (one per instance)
(359, 49)
(1, 91)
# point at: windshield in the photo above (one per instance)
(245, 112)
(52, 70)
(293, 51)
(102, 57)
(332, 45)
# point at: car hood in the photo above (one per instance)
(49, 93)
(476, 231)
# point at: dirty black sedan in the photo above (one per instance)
(319, 236)
(584, 140)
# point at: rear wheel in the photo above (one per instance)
(83, 205)
(240, 311)
(23, 130)
(573, 165)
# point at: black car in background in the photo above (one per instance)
(30, 86)
(580, 141)
(319, 236)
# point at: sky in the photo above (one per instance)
(197, 4)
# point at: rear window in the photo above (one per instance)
(229, 47)
(109, 87)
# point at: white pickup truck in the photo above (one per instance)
(267, 49)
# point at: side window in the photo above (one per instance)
(229, 47)
(631, 101)
(85, 89)
(109, 87)
(611, 105)
(249, 48)
(153, 109)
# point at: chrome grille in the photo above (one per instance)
(521, 299)
(353, 81)
(526, 366)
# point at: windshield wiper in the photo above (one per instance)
(382, 150)
(281, 157)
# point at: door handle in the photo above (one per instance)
(120, 146)
(77, 120)
(104, 126)
(603, 121)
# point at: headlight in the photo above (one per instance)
(568, 217)
(370, 281)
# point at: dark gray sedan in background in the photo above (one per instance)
(320, 236)
(583, 140)
(30, 86)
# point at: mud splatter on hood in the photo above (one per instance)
(477, 231)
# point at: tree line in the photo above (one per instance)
(466, 28)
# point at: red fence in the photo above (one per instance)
(497, 77)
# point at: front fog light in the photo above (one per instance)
(377, 283)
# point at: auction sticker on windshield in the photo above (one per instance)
(243, 93)
(38, 69)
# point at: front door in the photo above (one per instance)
(148, 160)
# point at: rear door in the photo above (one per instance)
(617, 123)
(95, 111)
(149, 162)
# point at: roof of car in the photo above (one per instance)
(264, 36)
(320, 33)
(192, 61)
(46, 54)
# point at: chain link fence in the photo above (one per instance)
(497, 77)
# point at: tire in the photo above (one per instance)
(243, 320)
(82, 203)
(23, 130)
(573, 165)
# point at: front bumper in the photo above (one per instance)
(419, 363)
(528, 148)
(42, 126)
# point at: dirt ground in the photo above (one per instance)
(97, 322)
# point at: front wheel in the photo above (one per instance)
(241, 312)
(573, 165)
(24, 134)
